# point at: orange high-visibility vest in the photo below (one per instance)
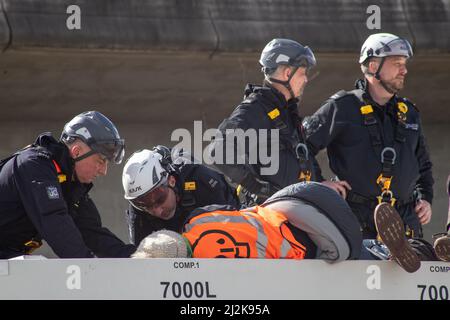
(259, 233)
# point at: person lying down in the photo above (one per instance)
(301, 221)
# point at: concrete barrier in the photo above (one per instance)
(212, 25)
(219, 279)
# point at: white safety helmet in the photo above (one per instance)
(383, 45)
(142, 173)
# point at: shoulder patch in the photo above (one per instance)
(52, 192)
(213, 182)
(249, 99)
(43, 154)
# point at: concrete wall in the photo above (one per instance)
(224, 25)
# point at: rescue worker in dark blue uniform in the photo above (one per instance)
(270, 112)
(375, 141)
(44, 192)
(163, 191)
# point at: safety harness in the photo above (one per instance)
(293, 142)
(388, 155)
(295, 139)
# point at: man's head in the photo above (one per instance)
(89, 168)
(93, 141)
(287, 62)
(148, 184)
(163, 244)
(383, 61)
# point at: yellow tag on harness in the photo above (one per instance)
(274, 113)
(190, 185)
(366, 109)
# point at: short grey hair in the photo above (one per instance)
(280, 68)
(365, 64)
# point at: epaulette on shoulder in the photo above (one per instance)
(340, 94)
(409, 103)
(43, 153)
(249, 99)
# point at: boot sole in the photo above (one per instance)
(390, 228)
(442, 248)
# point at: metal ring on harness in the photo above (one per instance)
(304, 149)
(392, 160)
(387, 196)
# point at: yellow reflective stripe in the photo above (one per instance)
(262, 241)
(285, 247)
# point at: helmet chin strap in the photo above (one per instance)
(287, 83)
(377, 76)
(84, 156)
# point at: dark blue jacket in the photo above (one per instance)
(340, 127)
(35, 205)
(253, 113)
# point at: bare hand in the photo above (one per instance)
(340, 187)
(423, 211)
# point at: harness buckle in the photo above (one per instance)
(384, 182)
(388, 197)
(304, 176)
(303, 153)
(384, 157)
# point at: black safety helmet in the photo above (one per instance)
(98, 132)
(285, 52)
